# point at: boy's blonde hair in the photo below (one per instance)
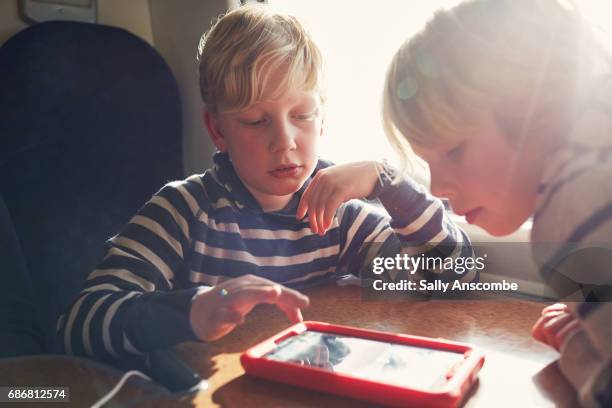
(243, 50)
(527, 62)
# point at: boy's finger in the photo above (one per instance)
(568, 331)
(228, 315)
(294, 314)
(303, 204)
(318, 205)
(321, 220)
(246, 297)
(293, 298)
(554, 308)
(313, 209)
(237, 284)
(333, 203)
(537, 330)
(324, 200)
(312, 219)
(306, 199)
(553, 326)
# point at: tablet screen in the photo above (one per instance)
(391, 363)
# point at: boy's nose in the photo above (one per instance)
(283, 137)
(441, 185)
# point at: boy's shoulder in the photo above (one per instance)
(200, 192)
(576, 203)
(187, 194)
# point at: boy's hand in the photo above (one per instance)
(333, 186)
(216, 311)
(555, 325)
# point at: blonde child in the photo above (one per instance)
(509, 102)
(204, 251)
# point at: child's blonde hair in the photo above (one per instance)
(528, 62)
(244, 49)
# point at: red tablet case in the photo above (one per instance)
(449, 395)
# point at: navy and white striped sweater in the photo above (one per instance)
(574, 216)
(209, 228)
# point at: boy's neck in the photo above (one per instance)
(269, 202)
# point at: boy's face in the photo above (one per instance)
(272, 144)
(487, 179)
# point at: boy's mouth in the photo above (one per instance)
(471, 215)
(286, 170)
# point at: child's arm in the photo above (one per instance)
(126, 306)
(417, 219)
(130, 304)
(574, 220)
(596, 337)
(581, 362)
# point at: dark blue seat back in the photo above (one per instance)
(90, 128)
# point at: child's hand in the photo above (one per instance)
(555, 325)
(333, 186)
(217, 310)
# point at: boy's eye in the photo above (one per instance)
(253, 123)
(455, 151)
(306, 116)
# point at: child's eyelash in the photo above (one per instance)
(298, 116)
(254, 122)
(306, 116)
(455, 150)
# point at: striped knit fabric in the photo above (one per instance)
(573, 221)
(209, 228)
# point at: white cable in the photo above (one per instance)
(117, 387)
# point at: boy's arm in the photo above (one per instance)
(586, 358)
(418, 227)
(575, 260)
(127, 306)
(417, 224)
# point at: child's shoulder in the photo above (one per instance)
(576, 203)
(195, 181)
(189, 195)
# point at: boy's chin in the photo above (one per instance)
(500, 229)
(282, 191)
(285, 187)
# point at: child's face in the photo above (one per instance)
(488, 180)
(272, 144)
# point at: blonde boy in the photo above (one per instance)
(509, 102)
(204, 251)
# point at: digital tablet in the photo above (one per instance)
(386, 368)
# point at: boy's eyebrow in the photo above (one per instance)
(313, 110)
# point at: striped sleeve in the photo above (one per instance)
(595, 387)
(415, 223)
(127, 306)
(572, 234)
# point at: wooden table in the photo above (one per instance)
(518, 371)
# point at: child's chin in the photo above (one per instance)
(283, 191)
(499, 230)
(285, 187)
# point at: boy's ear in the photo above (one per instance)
(212, 124)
